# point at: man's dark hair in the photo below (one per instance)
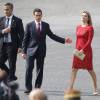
(37, 10)
(9, 4)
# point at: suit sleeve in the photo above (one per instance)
(25, 39)
(1, 26)
(21, 33)
(53, 36)
(1, 32)
(90, 37)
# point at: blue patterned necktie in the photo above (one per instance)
(6, 35)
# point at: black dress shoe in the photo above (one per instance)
(37, 86)
(27, 91)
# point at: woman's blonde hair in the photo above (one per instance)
(89, 17)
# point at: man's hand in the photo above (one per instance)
(6, 30)
(24, 55)
(68, 40)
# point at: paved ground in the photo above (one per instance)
(63, 16)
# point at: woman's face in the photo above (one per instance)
(84, 17)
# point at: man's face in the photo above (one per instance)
(38, 16)
(8, 11)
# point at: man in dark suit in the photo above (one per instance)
(11, 36)
(34, 48)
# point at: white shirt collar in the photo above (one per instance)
(38, 22)
(10, 17)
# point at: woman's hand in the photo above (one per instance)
(81, 52)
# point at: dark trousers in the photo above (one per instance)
(29, 69)
(8, 52)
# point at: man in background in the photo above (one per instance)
(11, 36)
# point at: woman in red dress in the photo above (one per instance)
(84, 35)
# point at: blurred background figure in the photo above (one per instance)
(12, 87)
(3, 84)
(7, 89)
(3, 74)
(72, 94)
(37, 94)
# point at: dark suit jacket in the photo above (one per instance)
(17, 31)
(34, 42)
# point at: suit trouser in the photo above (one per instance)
(9, 53)
(29, 69)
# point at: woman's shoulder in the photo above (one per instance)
(78, 26)
(90, 27)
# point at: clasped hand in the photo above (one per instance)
(6, 30)
(81, 52)
(68, 40)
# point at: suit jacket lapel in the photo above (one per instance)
(13, 22)
(4, 21)
(42, 28)
(34, 26)
(33, 29)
